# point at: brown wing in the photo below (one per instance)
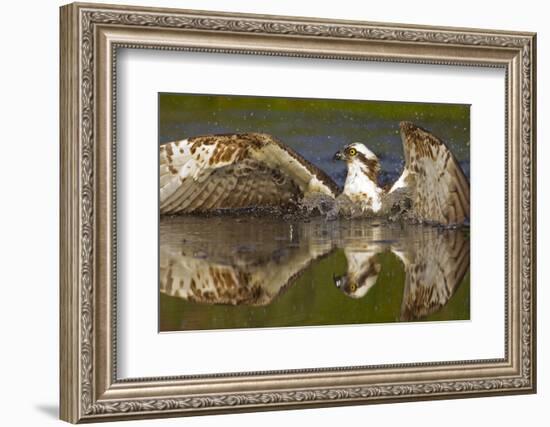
(236, 171)
(439, 190)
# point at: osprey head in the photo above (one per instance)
(355, 151)
(357, 154)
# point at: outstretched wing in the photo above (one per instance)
(434, 267)
(437, 186)
(235, 171)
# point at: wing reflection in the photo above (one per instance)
(252, 261)
(434, 266)
(233, 261)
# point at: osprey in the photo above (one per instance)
(217, 173)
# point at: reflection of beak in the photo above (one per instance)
(338, 156)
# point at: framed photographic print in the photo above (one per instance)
(265, 212)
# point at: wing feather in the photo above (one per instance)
(185, 193)
(235, 171)
(439, 190)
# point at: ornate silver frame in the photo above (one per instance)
(90, 36)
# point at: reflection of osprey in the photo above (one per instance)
(435, 263)
(253, 261)
(240, 171)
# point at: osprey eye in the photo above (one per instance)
(352, 151)
(353, 287)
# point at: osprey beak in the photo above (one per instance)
(338, 156)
